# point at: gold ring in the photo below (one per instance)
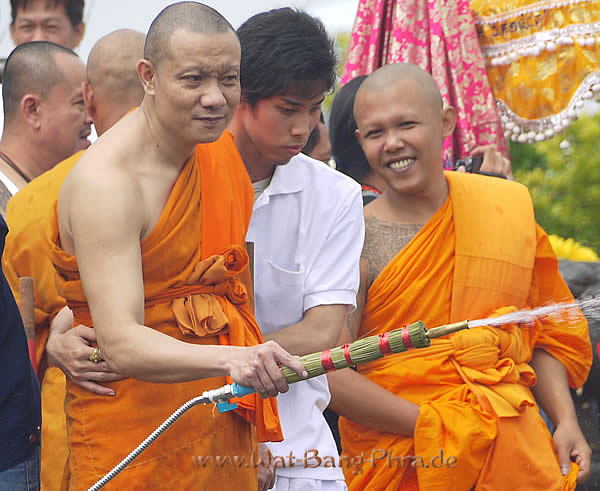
(95, 356)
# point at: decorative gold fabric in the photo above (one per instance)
(543, 61)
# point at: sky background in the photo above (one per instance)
(104, 16)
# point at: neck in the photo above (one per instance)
(416, 208)
(168, 145)
(26, 155)
(374, 181)
(257, 165)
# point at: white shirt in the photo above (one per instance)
(308, 232)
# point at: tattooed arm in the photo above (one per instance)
(352, 393)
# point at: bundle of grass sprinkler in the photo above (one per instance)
(371, 348)
(362, 351)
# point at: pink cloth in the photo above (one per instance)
(439, 36)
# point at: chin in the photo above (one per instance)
(209, 136)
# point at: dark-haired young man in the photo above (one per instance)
(307, 225)
(57, 21)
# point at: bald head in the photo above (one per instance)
(387, 75)
(111, 68)
(190, 16)
(31, 68)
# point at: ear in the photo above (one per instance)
(88, 98)
(448, 120)
(30, 110)
(357, 134)
(79, 32)
(147, 76)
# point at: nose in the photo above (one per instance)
(302, 125)
(39, 34)
(393, 142)
(213, 96)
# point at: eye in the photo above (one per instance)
(192, 78)
(408, 124)
(373, 134)
(230, 79)
(52, 28)
(287, 110)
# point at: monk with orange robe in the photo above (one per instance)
(147, 239)
(111, 90)
(441, 248)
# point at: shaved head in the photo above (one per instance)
(190, 16)
(31, 68)
(387, 75)
(111, 68)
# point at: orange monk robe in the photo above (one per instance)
(26, 256)
(190, 262)
(480, 251)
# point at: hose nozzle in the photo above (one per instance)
(438, 332)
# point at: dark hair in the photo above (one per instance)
(347, 152)
(73, 9)
(30, 68)
(313, 138)
(281, 49)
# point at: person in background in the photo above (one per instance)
(20, 407)
(318, 145)
(57, 21)
(45, 116)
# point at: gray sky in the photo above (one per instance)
(104, 16)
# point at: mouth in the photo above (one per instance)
(294, 149)
(210, 119)
(401, 164)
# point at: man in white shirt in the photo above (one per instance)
(307, 227)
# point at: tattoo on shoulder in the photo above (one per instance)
(383, 241)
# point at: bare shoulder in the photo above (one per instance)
(383, 241)
(101, 191)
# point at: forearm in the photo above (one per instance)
(318, 330)
(146, 354)
(552, 388)
(360, 400)
(299, 339)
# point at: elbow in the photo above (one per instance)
(117, 357)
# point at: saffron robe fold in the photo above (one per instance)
(481, 254)
(25, 255)
(191, 261)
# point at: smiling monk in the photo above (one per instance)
(445, 248)
(147, 240)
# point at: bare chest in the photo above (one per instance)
(383, 241)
